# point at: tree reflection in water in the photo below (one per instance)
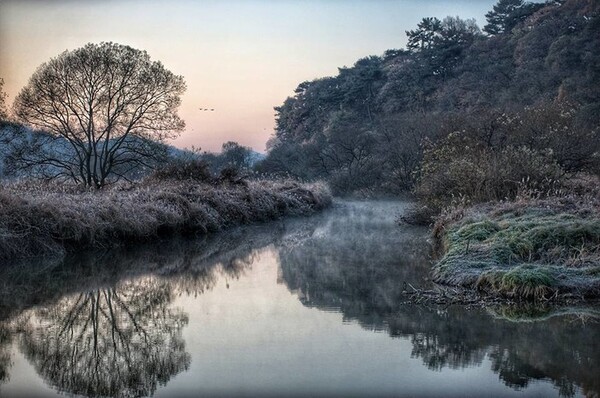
(104, 325)
(555, 347)
(121, 341)
(359, 264)
(107, 327)
(5, 357)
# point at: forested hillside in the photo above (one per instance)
(518, 98)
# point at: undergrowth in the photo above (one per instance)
(532, 249)
(52, 219)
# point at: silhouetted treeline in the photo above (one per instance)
(519, 100)
(23, 152)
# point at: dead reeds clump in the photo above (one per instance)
(50, 219)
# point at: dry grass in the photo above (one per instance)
(51, 219)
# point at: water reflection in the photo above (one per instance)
(193, 261)
(5, 357)
(361, 270)
(114, 324)
(357, 263)
(107, 326)
(559, 349)
(120, 341)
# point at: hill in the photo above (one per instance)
(367, 128)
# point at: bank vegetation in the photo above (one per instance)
(51, 218)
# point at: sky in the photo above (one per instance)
(239, 57)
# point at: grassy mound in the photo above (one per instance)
(52, 219)
(526, 249)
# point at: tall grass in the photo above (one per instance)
(530, 248)
(51, 219)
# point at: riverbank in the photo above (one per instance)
(54, 219)
(526, 249)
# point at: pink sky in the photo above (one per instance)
(241, 58)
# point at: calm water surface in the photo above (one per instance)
(301, 307)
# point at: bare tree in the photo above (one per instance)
(120, 341)
(101, 105)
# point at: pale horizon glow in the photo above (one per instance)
(241, 58)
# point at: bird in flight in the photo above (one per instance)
(207, 109)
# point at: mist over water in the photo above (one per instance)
(300, 307)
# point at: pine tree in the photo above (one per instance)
(424, 36)
(500, 19)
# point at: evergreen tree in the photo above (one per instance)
(425, 35)
(500, 19)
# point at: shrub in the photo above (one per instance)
(459, 169)
(181, 170)
(232, 175)
(418, 215)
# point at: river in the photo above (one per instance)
(298, 307)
